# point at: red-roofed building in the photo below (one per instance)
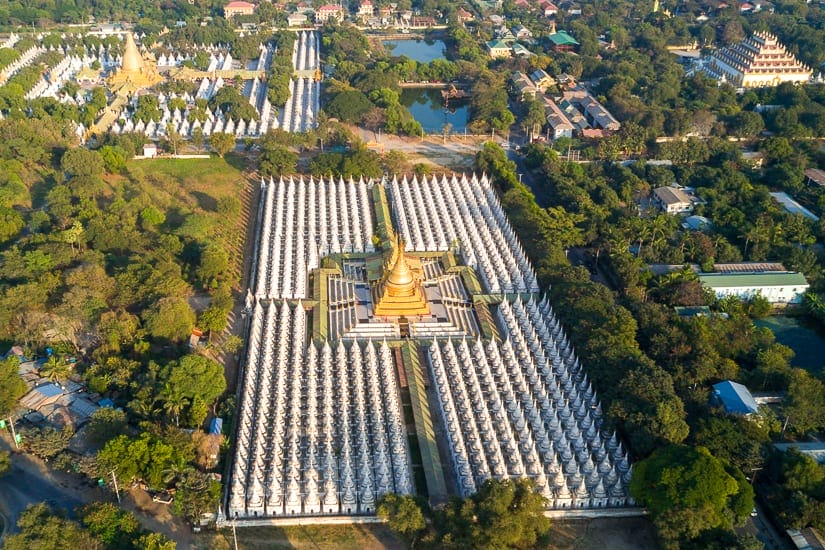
(464, 16)
(238, 8)
(549, 8)
(329, 11)
(365, 9)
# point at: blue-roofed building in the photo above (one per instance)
(215, 426)
(735, 398)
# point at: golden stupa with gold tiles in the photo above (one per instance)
(399, 292)
(134, 72)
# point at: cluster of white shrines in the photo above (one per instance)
(298, 115)
(321, 430)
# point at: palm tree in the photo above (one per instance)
(56, 370)
(173, 402)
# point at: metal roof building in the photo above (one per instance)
(735, 398)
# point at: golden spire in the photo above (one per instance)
(132, 61)
(399, 293)
(401, 275)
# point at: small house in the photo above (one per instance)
(672, 200)
(150, 150)
(734, 398)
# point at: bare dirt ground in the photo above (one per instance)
(599, 534)
(315, 537)
(456, 152)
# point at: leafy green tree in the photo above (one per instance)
(47, 442)
(170, 318)
(222, 143)
(116, 528)
(804, 405)
(41, 527)
(688, 490)
(114, 158)
(5, 463)
(196, 494)
(502, 514)
(56, 370)
(277, 161)
(12, 387)
(11, 223)
(105, 424)
(403, 514)
(80, 161)
(214, 262)
(155, 541)
(195, 377)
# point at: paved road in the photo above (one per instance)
(29, 483)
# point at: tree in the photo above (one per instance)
(5, 463)
(11, 222)
(56, 370)
(403, 515)
(688, 490)
(106, 423)
(196, 493)
(173, 138)
(80, 161)
(12, 387)
(195, 377)
(502, 514)
(114, 158)
(213, 264)
(116, 528)
(48, 442)
(170, 318)
(278, 160)
(41, 527)
(805, 403)
(222, 143)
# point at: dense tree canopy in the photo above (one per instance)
(688, 490)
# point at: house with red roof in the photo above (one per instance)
(329, 11)
(238, 7)
(365, 9)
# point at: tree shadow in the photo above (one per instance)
(207, 202)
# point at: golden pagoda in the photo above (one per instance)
(134, 73)
(399, 292)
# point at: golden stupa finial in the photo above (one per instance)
(132, 60)
(399, 293)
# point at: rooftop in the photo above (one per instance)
(729, 280)
(671, 195)
(792, 206)
(815, 175)
(562, 38)
(735, 397)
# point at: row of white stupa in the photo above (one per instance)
(434, 216)
(304, 100)
(25, 59)
(50, 84)
(525, 408)
(305, 51)
(300, 222)
(320, 429)
(10, 41)
(304, 220)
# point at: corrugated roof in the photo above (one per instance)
(735, 397)
(754, 280)
(561, 38)
(671, 195)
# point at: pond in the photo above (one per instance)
(427, 107)
(422, 51)
(808, 346)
